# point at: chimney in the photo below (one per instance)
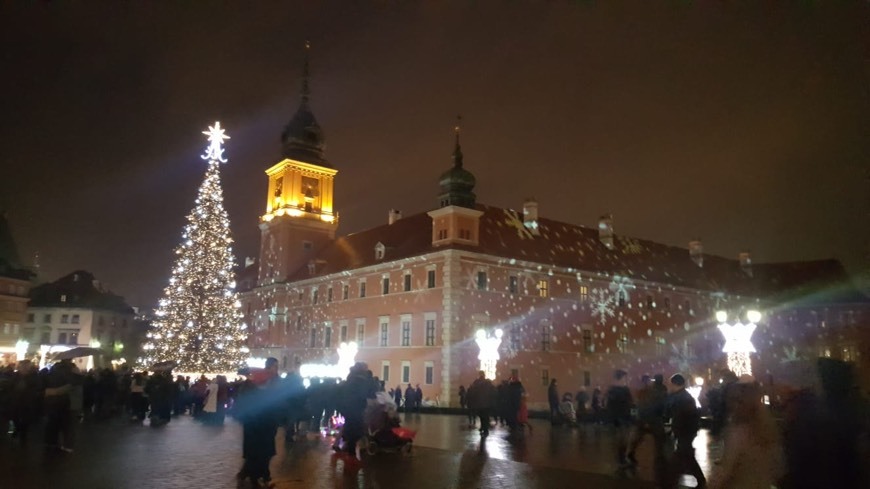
(249, 260)
(745, 262)
(605, 230)
(394, 216)
(696, 252)
(530, 215)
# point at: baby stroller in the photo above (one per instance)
(383, 431)
(566, 410)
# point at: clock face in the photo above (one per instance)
(310, 187)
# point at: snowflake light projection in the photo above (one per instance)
(738, 343)
(602, 305)
(488, 355)
(513, 220)
(620, 286)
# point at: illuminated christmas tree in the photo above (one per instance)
(198, 321)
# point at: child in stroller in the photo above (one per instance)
(567, 411)
(384, 433)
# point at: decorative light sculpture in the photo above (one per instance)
(346, 359)
(738, 343)
(695, 391)
(488, 355)
(21, 347)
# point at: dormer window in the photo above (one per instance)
(380, 251)
(312, 267)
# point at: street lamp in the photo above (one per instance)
(738, 342)
(488, 355)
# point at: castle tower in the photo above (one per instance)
(300, 218)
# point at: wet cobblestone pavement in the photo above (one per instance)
(185, 453)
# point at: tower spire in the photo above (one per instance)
(457, 150)
(306, 92)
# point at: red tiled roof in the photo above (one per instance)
(571, 246)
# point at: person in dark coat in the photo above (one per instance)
(581, 398)
(619, 404)
(410, 398)
(650, 421)
(26, 390)
(595, 404)
(397, 396)
(514, 397)
(353, 396)
(57, 406)
(481, 396)
(261, 406)
(685, 422)
(553, 399)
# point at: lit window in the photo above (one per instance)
(63, 297)
(543, 288)
(584, 293)
(850, 353)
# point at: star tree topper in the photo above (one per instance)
(216, 136)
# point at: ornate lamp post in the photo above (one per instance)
(488, 355)
(738, 342)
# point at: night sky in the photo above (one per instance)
(745, 125)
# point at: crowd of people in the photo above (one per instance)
(814, 441)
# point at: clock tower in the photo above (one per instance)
(299, 218)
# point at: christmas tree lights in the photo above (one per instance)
(198, 321)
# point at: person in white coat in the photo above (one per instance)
(210, 407)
